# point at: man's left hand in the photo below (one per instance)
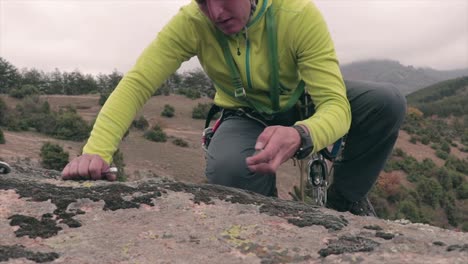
(275, 145)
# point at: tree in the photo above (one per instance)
(9, 76)
(77, 83)
(56, 84)
(195, 84)
(170, 85)
(106, 84)
(35, 78)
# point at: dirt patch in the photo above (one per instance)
(418, 151)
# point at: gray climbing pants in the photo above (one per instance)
(377, 114)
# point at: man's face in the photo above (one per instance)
(230, 16)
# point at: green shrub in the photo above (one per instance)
(441, 154)
(141, 123)
(118, 161)
(102, 99)
(457, 164)
(398, 152)
(464, 227)
(2, 137)
(408, 210)
(445, 147)
(156, 134)
(201, 111)
(23, 91)
(71, 126)
(189, 92)
(430, 191)
(448, 203)
(3, 112)
(425, 140)
(53, 156)
(413, 140)
(180, 142)
(168, 111)
(462, 191)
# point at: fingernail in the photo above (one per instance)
(259, 146)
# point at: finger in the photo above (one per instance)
(264, 156)
(83, 167)
(110, 176)
(97, 167)
(262, 168)
(73, 169)
(264, 137)
(66, 172)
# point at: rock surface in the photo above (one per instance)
(44, 219)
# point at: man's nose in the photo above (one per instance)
(216, 9)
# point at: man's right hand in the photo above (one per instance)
(88, 167)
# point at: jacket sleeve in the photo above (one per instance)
(174, 44)
(319, 68)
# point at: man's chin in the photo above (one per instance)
(230, 31)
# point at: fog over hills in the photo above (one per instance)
(406, 77)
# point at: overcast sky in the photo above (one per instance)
(101, 35)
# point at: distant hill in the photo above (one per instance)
(442, 99)
(407, 78)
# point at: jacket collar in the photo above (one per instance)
(262, 6)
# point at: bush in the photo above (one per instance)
(189, 92)
(445, 147)
(180, 142)
(53, 156)
(102, 99)
(462, 191)
(118, 161)
(441, 154)
(23, 91)
(425, 140)
(3, 112)
(168, 111)
(430, 191)
(141, 123)
(408, 210)
(464, 227)
(71, 126)
(201, 111)
(2, 137)
(156, 134)
(398, 152)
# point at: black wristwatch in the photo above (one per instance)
(306, 146)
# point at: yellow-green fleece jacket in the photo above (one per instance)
(305, 51)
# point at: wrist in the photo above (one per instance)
(306, 145)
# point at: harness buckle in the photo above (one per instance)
(240, 92)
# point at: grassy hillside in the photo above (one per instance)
(442, 99)
(432, 190)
